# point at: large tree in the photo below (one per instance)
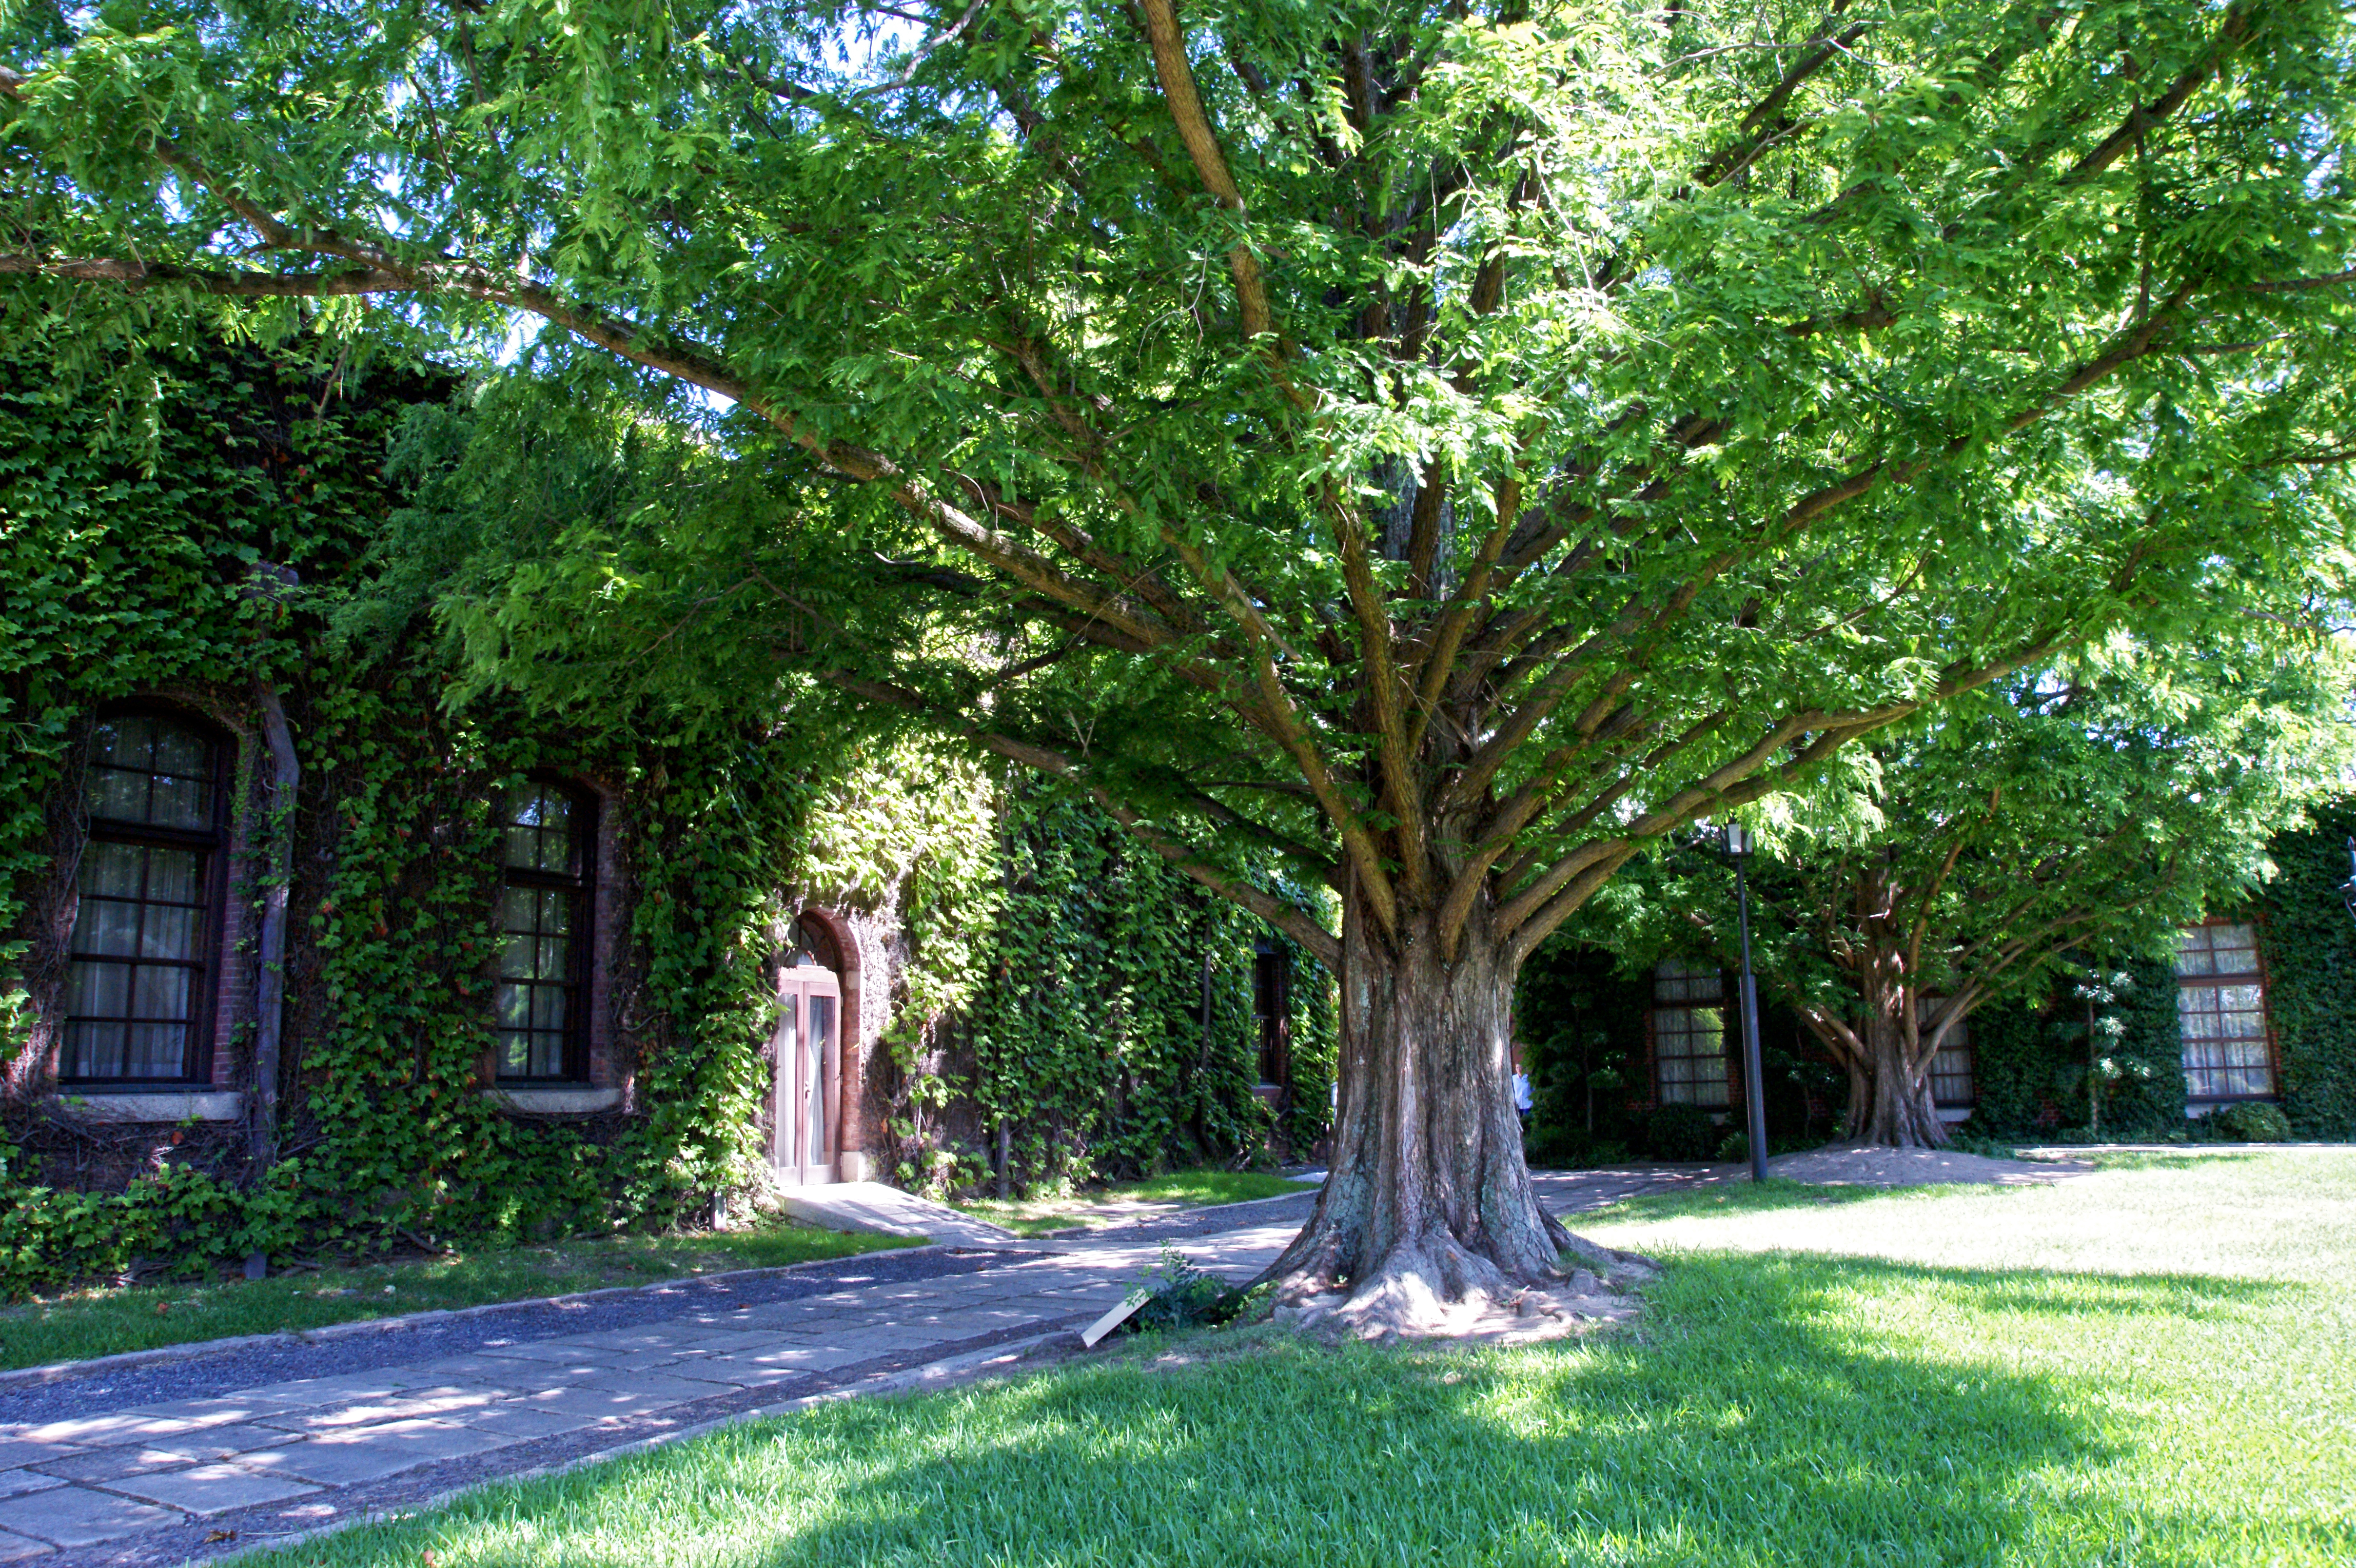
(1447, 446)
(2089, 809)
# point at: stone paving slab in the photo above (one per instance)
(423, 1403)
(76, 1516)
(525, 1423)
(166, 1454)
(371, 1454)
(15, 1548)
(210, 1489)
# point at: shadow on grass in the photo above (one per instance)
(2171, 1159)
(1743, 1197)
(1762, 1415)
(2192, 1297)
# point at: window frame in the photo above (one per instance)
(1929, 1012)
(1272, 1034)
(2257, 973)
(212, 841)
(1723, 1004)
(581, 938)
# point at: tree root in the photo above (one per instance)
(1437, 1289)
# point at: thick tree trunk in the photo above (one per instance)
(1894, 1109)
(1428, 1203)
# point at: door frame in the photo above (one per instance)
(789, 1156)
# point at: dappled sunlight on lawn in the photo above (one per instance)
(2285, 1215)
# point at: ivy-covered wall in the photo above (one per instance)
(2110, 1031)
(2308, 943)
(1015, 960)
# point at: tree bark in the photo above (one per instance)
(1894, 1109)
(1428, 1203)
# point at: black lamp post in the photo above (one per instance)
(1755, 1097)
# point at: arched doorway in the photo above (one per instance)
(806, 1124)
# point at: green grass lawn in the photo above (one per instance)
(101, 1322)
(1043, 1216)
(2155, 1365)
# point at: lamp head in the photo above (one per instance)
(1738, 839)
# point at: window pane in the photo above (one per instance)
(2225, 1050)
(822, 1031)
(1951, 1069)
(1677, 979)
(155, 1050)
(147, 904)
(99, 990)
(150, 770)
(118, 795)
(106, 926)
(180, 802)
(93, 1050)
(168, 932)
(127, 742)
(114, 869)
(536, 1011)
(157, 992)
(176, 874)
(541, 829)
(178, 751)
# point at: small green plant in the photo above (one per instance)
(2251, 1122)
(1682, 1133)
(1182, 1296)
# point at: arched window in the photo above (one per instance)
(808, 943)
(143, 954)
(541, 1003)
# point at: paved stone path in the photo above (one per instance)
(165, 1482)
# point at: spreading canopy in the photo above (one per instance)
(1447, 446)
